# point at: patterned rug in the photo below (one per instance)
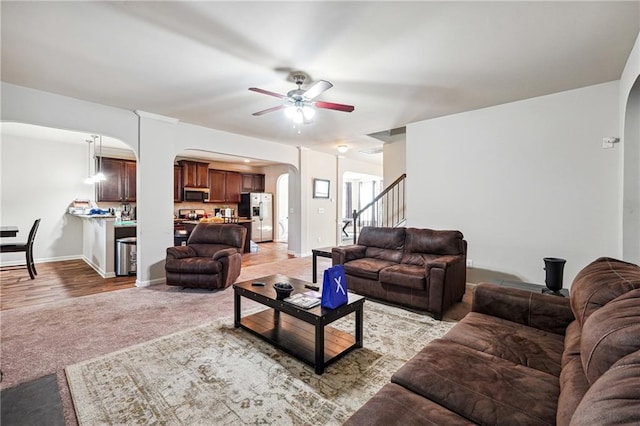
(217, 374)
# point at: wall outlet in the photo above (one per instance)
(609, 141)
(469, 263)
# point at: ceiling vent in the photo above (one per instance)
(392, 135)
(372, 151)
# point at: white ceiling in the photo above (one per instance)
(396, 62)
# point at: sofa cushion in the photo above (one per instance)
(573, 387)
(598, 283)
(366, 267)
(208, 250)
(409, 276)
(383, 254)
(573, 382)
(434, 242)
(228, 234)
(610, 333)
(480, 387)
(517, 343)
(194, 265)
(418, 259)
(395, 405)
(387, 238)
(614, 399)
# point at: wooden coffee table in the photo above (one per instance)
(302, 333)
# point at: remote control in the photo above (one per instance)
(258, 284)
(312, 287)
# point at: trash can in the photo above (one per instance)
(126, 256)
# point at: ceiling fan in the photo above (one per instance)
(298, 103)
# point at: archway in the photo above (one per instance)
(282, 215)
(631, 180)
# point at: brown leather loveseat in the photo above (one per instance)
(521, 358)
(211, 259)
(423, 269)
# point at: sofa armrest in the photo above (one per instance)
(231, 267)
(180, 252)
(444, 262)
(541, 311)
(224, 253)
(341, 255)
(446, 282)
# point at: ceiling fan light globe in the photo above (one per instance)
(308, 112)
(298, 116)
(290, 112)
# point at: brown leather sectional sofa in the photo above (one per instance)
(422, 269)
(521, 358)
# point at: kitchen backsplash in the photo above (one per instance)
(208, 207)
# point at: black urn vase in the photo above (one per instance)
(554, 268)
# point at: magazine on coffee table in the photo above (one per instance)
(303, 300)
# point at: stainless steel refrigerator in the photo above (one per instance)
(258, 206)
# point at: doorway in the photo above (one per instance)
(282, 185)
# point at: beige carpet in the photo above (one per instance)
(216, 374)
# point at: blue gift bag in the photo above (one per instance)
(334, 287)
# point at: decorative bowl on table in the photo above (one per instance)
(283, 290)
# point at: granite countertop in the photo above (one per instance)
(124, 223)
(116, 223)
(195, 222)
(92, 216)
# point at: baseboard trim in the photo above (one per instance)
(21, 262)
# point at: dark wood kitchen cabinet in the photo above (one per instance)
(195, 174)
(217, 189)
(252, 182)
(120, 185)
(177, 184)
(224, 187)
(233, 186)
(129, 181)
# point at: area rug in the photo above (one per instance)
(217, 374)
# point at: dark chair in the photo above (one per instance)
(211, 259)
(25, 247)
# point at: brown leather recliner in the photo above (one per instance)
(211, 259)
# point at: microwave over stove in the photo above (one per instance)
(195, 194)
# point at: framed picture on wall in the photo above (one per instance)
(321, 188)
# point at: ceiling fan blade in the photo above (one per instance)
(337, 107)
(268, 110)
(266, 92)
(315, 90)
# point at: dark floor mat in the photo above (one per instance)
(32, 403)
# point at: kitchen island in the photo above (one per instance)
(99, 235)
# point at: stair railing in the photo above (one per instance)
(387, 209)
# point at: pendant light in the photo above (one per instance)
(89, 180)
(98, 177)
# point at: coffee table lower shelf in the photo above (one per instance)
(298, 338)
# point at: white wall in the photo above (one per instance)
(630, 152)
(395, 164)
(522, 181)
(39, 179)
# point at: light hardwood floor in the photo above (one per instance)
(74, 278)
